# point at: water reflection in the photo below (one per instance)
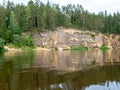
(68, 61)
(60, 70)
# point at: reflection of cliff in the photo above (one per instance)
(114, 56)
(46, 59)
(68, 61)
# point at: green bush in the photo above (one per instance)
(92, 35)
(79, 48)
(104, 47)
(56, 48)
(18, 40)
(6, 35)
(22, 41)
(28, 41)
(1, 43)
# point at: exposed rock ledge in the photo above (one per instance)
(64, 38)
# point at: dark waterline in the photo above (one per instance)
(60, 70)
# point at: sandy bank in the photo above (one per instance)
(12, 49)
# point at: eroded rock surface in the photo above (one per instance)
(64, 38)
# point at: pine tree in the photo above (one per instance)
(14, 24)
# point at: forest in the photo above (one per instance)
(39, 16)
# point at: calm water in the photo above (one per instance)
(60, 70)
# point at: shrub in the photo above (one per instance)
(92, 35)
(56, 48)
(28, 41)
(79, 48)
(18, 40)
(22, 41)
(119, 39)
(104, 47)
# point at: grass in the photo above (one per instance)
(10, 45)
(56, 48)
(27, 48)
(81, 48)
(104, 47)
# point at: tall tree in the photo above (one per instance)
(14, 24)
(30, 15)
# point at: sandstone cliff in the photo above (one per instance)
(64, 38)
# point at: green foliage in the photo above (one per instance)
(6, 35)
(56, 48)
(1, 43)
(18, 40)
(11, 45)
(92, 35)
(27, 48)
(22, 41)
(28, 41)
(104, 47)
(14, 24)
(119, 39)
(82, 48)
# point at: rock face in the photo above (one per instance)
(64, 38)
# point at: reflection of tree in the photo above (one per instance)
(1, 56)
(11, 66)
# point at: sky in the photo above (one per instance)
(91, 5)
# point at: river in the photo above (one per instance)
(60, 70)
